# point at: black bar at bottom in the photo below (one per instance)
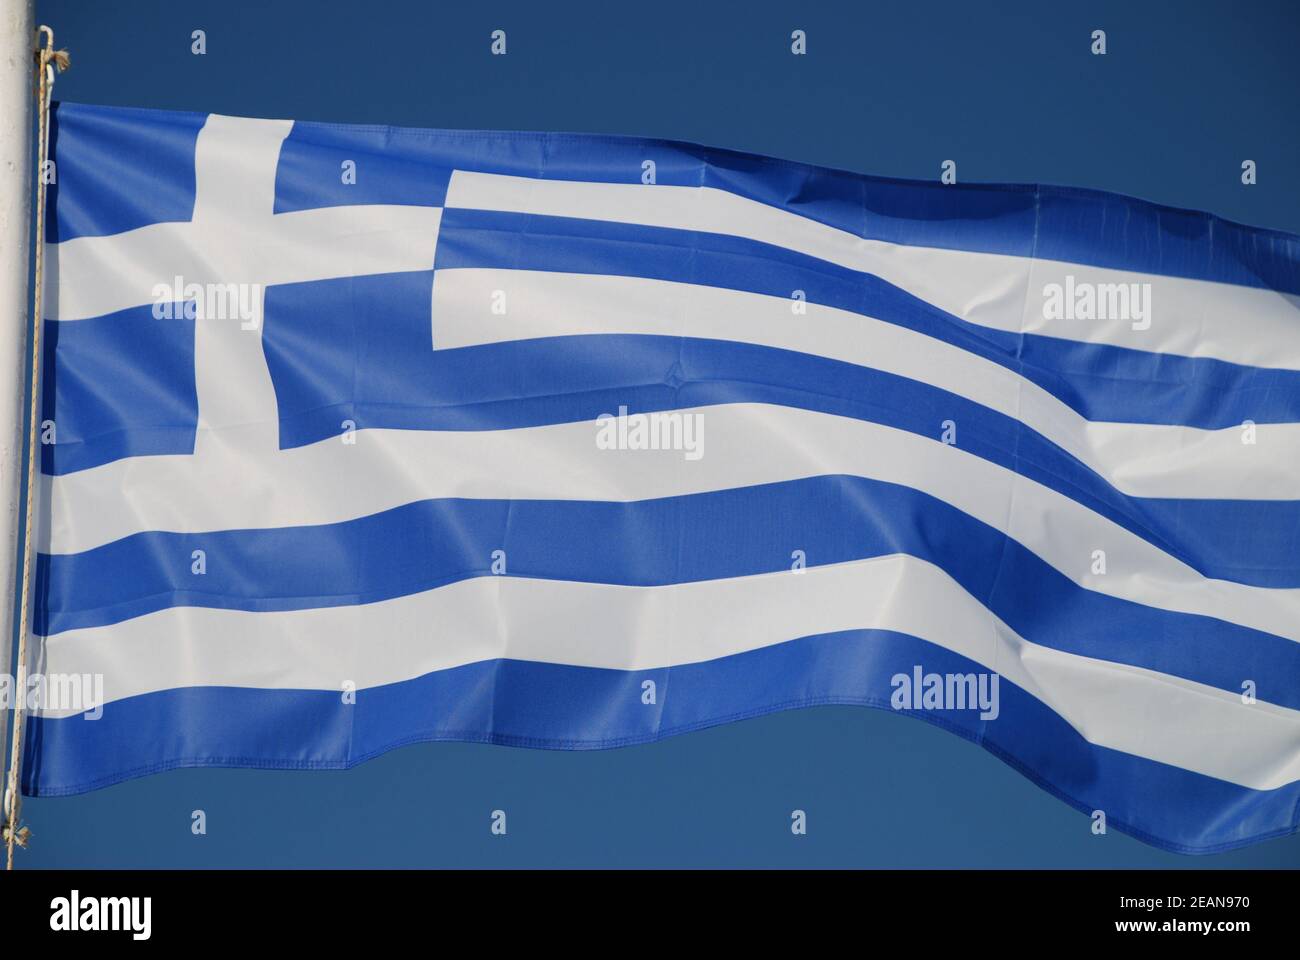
(333, 909)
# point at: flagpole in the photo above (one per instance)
(17, 105)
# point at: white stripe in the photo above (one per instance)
(1142, 460)
(1194, 318)
(744, 444)
(1138, 711)
(93, 276)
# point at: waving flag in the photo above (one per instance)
(356, 437)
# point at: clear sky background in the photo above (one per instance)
(1008, 89)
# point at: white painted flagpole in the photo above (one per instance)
(17, 105)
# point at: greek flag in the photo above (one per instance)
(354, 437)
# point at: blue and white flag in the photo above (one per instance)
(355, 437)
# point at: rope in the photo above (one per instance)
(48, 61)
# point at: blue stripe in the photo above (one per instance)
(384, 169)
(1079, 226)
(1099, 382)
(120, 385)
(119, 169)
(358, 349)
(523, 703)
(995, 218)
(425, 545)
(1109, 230)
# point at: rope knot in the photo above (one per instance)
(46, 54)
(20, 838)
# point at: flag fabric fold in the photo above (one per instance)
(354, 437)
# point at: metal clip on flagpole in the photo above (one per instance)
(48, 62)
